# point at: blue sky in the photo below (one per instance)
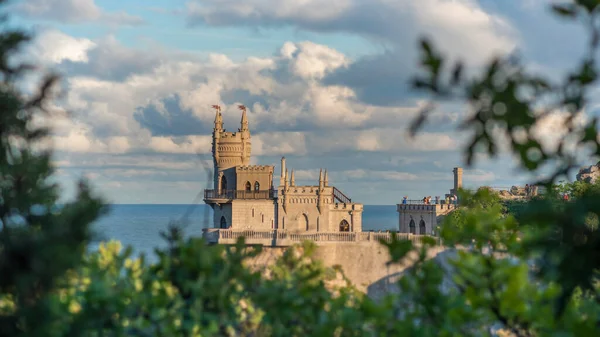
(325, 83)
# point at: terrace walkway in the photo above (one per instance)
(284, 238)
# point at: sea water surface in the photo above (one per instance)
(139, 226)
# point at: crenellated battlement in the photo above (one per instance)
(265, 168)
(230, 136)
(352, 206)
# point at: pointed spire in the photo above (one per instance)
(292, 179)
(244, 122)
(285, 179)
(326, 180)
(321, 178)
(218, 117)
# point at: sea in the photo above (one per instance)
(139, 226)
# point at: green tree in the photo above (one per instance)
(562, 295)
(39, 239)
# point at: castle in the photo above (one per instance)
(243, 196)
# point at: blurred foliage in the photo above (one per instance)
(528, 273)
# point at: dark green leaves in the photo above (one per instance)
(565, 10)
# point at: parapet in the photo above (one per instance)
(438, 208)
(230, 136)
(351, 206)
(263, 168)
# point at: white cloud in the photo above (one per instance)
(127, 102)
(189, 144)
(393, 140)
(279, 143)
(55, 47)
(312, 61)
(461, 25)
(72, 11)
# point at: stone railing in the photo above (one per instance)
(285, 238)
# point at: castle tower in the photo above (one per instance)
(230, 149)
(458, 173)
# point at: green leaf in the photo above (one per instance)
(565, 10)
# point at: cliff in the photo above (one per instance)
(589, 174)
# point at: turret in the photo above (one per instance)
(325, 180)
(215, 144)
(458, 173)
(321, 179)
(283, 172)
(244, 121)
(218, 120)
(230, 149)
(292, 179)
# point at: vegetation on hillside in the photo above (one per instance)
(531, 275)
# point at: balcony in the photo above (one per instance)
(224, 195)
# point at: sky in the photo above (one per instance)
(325, 83)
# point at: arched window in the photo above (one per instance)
(283, 223)
(256, 186)
(223, 222)
(344, 226)
(305, 221)
(317, 224)
(422, 228)
(262, 218)
(223, 184)
(412, 227)
(248, 186)
(253, 212)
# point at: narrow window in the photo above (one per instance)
(256, 186)
(422, 228)
(223, 184)
(344, 226)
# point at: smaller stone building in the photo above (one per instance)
(422, 219)
(417, 217)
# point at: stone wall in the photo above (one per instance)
(364, 263)
(223, 210)
(253, 174)
(431, 215)
(256, 214)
